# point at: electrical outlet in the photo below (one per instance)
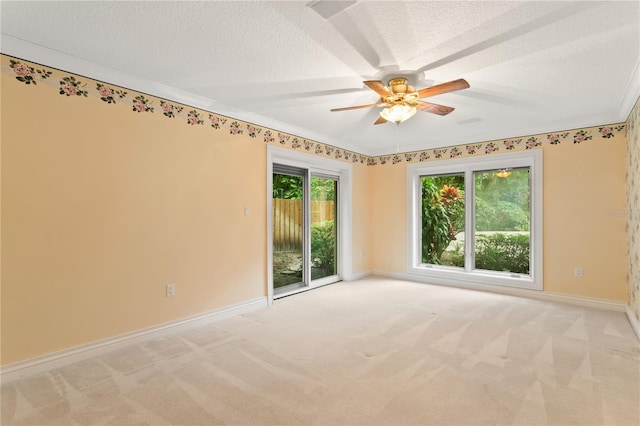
(171, 290)
(578, 272)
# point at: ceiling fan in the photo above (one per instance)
(401, 101)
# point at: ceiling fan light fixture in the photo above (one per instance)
(398, 113)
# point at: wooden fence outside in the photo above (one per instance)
(287, 221)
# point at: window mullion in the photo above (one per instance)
(469, 220)
(417, 220)
(306, 199)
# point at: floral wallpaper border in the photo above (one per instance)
(70, 85)
(504, 145)
(633, 208)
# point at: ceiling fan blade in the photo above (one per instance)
(355, 107)
(443, 88)
(378, 87)
(380, 120)
(433, 108)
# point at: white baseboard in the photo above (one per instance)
(609, 305)
(359, 276)
(44, 363)
(634, 322)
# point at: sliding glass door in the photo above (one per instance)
(324, 227)
(288, 227)
(304, 229)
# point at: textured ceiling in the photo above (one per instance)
(533, 67)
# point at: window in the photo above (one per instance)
(477, 220)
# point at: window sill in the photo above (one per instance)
(457, 276)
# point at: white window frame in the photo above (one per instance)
(466, 276)
(315, 165)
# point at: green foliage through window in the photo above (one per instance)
(442, 215)
(323, 248)
(287, 187)
(495, 252)
(290, 188)
(503, 252)
(502, 220)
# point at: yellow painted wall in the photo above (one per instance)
(102, 206)
(361, 219)
(584, 197)
(584, 224)
(1, 222)
(101, 209)
(389, 218)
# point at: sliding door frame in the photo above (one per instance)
(322, 166)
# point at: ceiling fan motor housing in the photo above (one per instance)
(400, 86)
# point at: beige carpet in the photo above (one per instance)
(372, 352)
